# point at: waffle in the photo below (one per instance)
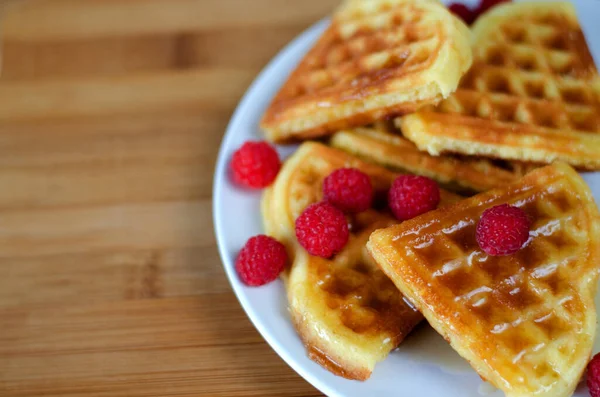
(377, 58)
(390, 149)
(348, 313)
(532, 94)
(525, 322)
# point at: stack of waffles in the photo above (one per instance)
(496, 114)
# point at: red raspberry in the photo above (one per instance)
(502, 230)
(412, 195)
(486, 5)
(348, 189)
(322, 229)
(261, 260)
(593, 376)
(463, 12)
(255, 164)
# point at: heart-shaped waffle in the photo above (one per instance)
(532, 94)
(525, 322)
(378, 58)
(347, 312)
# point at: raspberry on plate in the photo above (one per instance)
(260, 261)
(412, 195)
(593, 376)
(322, 229)
(463, 12)
(349, 189)
(502, 230)
(255, 164)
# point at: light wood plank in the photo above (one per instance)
(63, 280)
(108, 182)
(140, 348)
(143, 324)
(107, 56)
(206, 89)
(163, 135)
(111, 116)
(68, 19)
(159, 157)
(106, 228)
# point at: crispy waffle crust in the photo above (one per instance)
(526, 322)
(384, 146)
(532, 94)
(348, 313)
(377, 58)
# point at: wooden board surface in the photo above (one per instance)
(111, 114)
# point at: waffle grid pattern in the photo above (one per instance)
(360, 294)
(527, 67)
(532, 93)
(526, 322)
(377, 58)
(364, 45)
(527, 301)
(356, 288)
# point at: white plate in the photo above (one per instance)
(425, 364)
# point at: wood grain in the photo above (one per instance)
(111, 115)
(67, 19)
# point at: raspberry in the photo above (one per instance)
(463, 12)
(260, 261)
(412, 195)
(348, 189)
(593, 376)
(322, 229)
(485, 5)
(255, 164)
(502, 230)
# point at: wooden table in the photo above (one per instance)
(111, 114)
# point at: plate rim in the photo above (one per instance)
(218, 182)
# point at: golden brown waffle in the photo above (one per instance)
(525, 322)
(390, 149)
(377, 58)
(347, 312)
(532, 94)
